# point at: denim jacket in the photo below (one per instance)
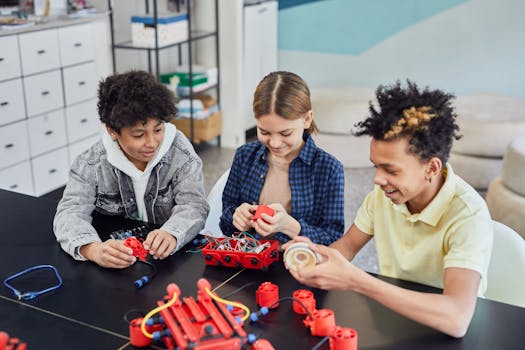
(174, 196)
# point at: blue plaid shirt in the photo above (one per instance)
(316, 182)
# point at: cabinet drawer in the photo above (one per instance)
(75, 149)
(82, 120)
(80, 83)
(14, 146)
(9, 60)
(11, 101)
(47, 132)
(17, 178)
(50, 171)
(39, 51)
(43, 93)
(76, 44)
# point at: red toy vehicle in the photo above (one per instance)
(231, 252)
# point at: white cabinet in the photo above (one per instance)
(260, 50)
(48, 115)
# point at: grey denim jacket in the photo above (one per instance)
(174, 196)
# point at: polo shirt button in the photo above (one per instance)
(262, 176)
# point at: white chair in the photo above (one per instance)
(211, 227)
(506, 273)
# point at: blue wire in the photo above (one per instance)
(32, 295)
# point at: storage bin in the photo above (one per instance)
(171, 29)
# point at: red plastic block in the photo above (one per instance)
(267, 295)
(136, 246)
(136, 337)
(343, 339)
(323, 322)
(308, 300)
(262, 344)
(262, 209)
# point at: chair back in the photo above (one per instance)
(211, 227)
(506, 273)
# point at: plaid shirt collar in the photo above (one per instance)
(306, 155)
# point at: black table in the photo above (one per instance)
(87, 311)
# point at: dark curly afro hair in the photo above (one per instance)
(124, 99)
(433, 139)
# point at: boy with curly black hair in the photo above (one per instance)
(429, 225)
(143, 169)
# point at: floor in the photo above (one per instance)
(358, 182)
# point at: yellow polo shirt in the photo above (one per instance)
(454, 230)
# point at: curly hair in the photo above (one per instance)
(426, 117)
(124, 99)
(285, 94)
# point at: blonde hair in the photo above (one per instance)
(286, 94)
(412, 119)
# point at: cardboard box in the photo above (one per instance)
(203, 129)
(170, 29)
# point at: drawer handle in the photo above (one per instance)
(44, 93)
(77, 44)
(80, 83)
(83, 120)
(13, 186)
(5, 103)
(9, 145)
(51, 171)
(49, 132)
(1, 59)
(264, 9)
(40, 52)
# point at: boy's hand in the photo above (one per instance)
(243, 215)
(111, 253)
(281, 221)
(160, 244)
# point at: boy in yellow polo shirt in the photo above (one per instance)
(429, 225)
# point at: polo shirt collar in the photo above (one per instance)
(306, 155)
(438, 206)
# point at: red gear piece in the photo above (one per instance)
(267, 295)
(262, 344)
(307, 298)
(136, 246)
(262, 209)
(343, 339)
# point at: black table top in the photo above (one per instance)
(91, 303)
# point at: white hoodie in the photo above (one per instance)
(118, 159)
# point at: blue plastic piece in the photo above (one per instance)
(141, 282)
(251, 338)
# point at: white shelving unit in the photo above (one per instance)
(48, 82)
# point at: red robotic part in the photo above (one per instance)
(267, 295)
(7, 343)
(136, 246)
(323, 323)
(307, 299)
(262, 209)
(343, 339)
(189, 323)
(136, 337)
(262, 344)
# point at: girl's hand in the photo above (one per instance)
(160, 244)
(268, 225)
(243, 215)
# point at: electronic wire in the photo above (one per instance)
(232, 303)
(154, 311)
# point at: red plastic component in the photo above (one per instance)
(267, 295)
(262, 344)
(201, 324)
(343, 339)
(215, 256)
(262, 209)
(7, 343)
(323, 322)
(138, 249)
(308, 300)
(136, 337)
